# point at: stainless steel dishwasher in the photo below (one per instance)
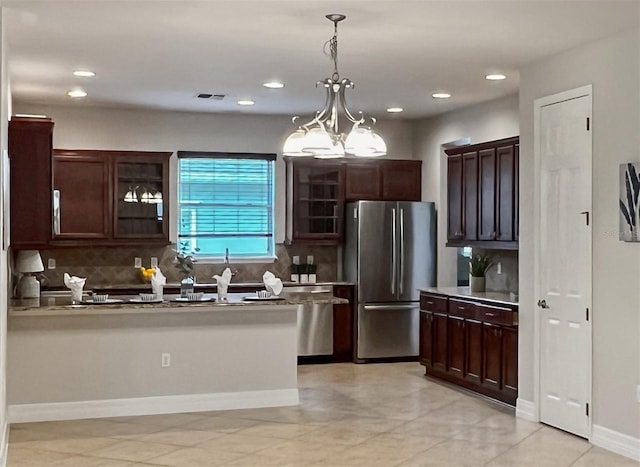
(315, 321)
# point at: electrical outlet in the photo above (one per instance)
(137, 262)
(166, 360)
(310, 259)
(154, 262)
(296, 260)
(499, 267)
(51, 263)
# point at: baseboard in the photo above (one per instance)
(614, 441)
(4, 447)
(21, 413)
(526, 410)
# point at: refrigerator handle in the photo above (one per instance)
(393, 251)
(401, 268)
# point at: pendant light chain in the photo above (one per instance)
(333, 52)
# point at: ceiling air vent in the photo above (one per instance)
(206, 95)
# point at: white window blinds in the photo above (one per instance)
(226, 201)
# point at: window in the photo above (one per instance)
(225, 200)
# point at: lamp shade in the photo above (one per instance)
(29, 261)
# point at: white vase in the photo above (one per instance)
(476, 283)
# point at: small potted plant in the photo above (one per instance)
(185, 264)
(478, 265)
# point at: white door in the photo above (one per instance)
(564, 269)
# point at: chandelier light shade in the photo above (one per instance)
(323, 136)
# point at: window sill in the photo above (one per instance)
(232, 260)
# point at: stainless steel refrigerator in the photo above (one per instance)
(390, 252)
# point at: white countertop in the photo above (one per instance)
(465, 292)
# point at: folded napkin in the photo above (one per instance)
(272, 283)
(158, 280)
(223, 283)
(75, 284)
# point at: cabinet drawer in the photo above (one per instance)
(497, 315)
(433, 303)
(462, 308)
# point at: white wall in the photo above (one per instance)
(82, 127)
(613, 67)
(5, 104)
(484, 122)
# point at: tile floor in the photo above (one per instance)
(350, 415)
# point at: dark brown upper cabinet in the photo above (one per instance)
(482, 194)
(317, 190)
(110, 197)
(383, 180)
(30, 150)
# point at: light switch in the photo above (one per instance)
(51, 263)
(310, 259)
(137, 262)
(154, 262)
(296, 260)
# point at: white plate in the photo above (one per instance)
(185, 299)
(108, 301)
(139, 300)
(255, 298)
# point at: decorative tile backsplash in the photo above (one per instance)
(111, 266)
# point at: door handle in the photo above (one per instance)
(401, 285)
(394, 266)
(543, 304)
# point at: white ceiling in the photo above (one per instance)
(160, 54)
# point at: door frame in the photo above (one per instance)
(583, 91)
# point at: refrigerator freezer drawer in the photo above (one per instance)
(388, 330)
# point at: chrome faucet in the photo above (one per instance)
(227, 264)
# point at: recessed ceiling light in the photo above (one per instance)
(441, 95)
(76, 93)
(395, 110)
(84, 73)
(273, 85)
(495, 77)
(246, 102)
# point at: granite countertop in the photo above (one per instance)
(257, 285)
(465, 292)
(57, 306)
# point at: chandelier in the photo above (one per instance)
(322, 136)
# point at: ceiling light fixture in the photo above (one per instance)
(321, 137)
(441, 95)
(495, 77)
(84, 73)
(273, 85)
(394, 110)
(76, 93)
(246, 102)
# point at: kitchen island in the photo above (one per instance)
(85, 361)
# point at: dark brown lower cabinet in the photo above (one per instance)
(439, 337)
(343, 316)
(455, 340)
(473, 355)
(472, 344)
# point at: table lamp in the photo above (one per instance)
(29, 262)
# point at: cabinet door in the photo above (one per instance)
(82, 182)
(456, 346)
(363, 181)
(473, 360)
(492, 356)
(454, 198)
(506, 198)
(30, 152)
(439, 348)
(510, 362)
(426, 338)
(141, 196)
(343, 316)
(470, 192)
(316, 201)
(401, 180)
(487, 194)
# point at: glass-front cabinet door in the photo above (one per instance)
(318, 197)
(141, 196)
